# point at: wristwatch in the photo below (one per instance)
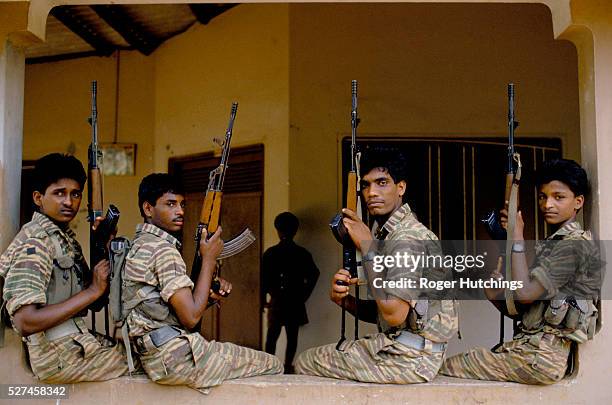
(518, 247)
(368, 257)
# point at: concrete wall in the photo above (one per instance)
(423, 70)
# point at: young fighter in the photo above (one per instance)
(44, 286)
(164, 303)
(414, 329)
(558, 290)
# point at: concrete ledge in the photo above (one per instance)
(294, 389)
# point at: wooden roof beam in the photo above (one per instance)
(131, 30)
(82, 28)
(206, 12)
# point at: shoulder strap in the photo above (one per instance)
(512, 212)
(2, 312)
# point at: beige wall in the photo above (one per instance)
(423, 70)
(57, 105)
(241, 56)
(172, 103)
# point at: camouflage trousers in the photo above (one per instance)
(536, 359)
(374, 358)
(193, 361)
(76, 358)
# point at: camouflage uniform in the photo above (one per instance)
(539, 353)
(44, 265)
(381, 357)
(155, 270)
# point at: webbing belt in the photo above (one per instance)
(57, 332)
(418, 342)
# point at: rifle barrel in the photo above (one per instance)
(354, 122)
(226, 145)
(511, 125)
(94, 124)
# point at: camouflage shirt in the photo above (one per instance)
(403, 233)
(564, 262)
(153, 260)
(567, 264)
(27, 264)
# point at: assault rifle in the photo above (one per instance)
(349, 252)
(98, 239)
(491, 220)
(211, 212)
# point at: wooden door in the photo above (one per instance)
(238, 319)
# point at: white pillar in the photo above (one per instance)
(12, 76)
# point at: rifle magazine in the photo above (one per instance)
(238, 244)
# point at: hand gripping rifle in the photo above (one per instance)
(99, 238)
(349, 252)
(491, 220)
(211, 211)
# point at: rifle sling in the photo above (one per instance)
(512, 212)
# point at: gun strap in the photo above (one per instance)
(125, 336)
(357, 311)
(358, 254)
(342, 327)
(2, 326)
(512, 212)
(107, 322)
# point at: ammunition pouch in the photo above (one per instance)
(157, 338)
(576, 314)
(119, 248)
(556, 312)
(576, 319)
(418, 315)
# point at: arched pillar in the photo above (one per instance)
(14, 36)
(590, 29)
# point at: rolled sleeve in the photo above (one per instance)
(556, 268)
(28, 277)
(171, 272)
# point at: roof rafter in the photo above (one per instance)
(131, 30)
(206, 12)
(83, 29)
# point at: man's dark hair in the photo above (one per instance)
(567, 172)
(156, 185)
(287, 224)
(55, 166)
(389, 158)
